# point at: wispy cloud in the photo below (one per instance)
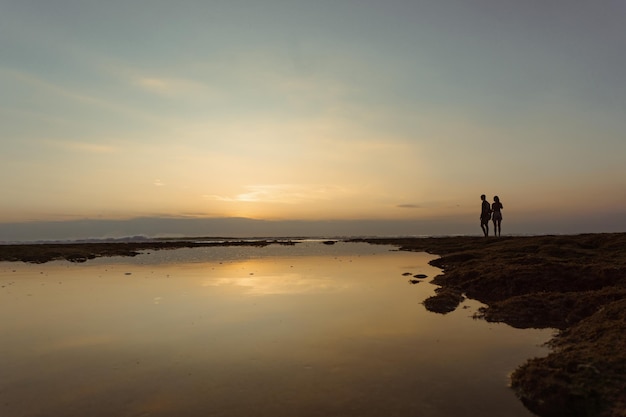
(78, 146)
(171, 86)
(41, 85)
(159, 83)
(409, 206)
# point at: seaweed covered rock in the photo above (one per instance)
(444, 301)
(573, 283)
(585, 375)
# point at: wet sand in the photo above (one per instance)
(576, 284)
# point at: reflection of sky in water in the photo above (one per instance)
(281, 331)
(282, 284)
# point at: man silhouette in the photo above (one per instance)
(485, 215)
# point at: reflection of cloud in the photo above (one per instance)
(158, 183)
(282, 193)
(278, 284)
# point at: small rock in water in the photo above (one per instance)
(414, 281)
(406, 274)
(445, 301)
(420, 276)
(128, 273)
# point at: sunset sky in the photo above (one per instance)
(338, 110)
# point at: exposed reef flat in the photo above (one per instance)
(81, 252)
(576, 284)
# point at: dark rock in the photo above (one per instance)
(445, 301)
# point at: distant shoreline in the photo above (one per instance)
(82, 252)
(574, 283)
(226, 239)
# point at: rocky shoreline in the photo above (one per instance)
(576, 284)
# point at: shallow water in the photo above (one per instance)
(305, 330)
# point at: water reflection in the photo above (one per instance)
(280, 331)
(283, 284)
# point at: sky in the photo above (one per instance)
(314, 111)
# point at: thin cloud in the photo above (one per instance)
(76, 146)
(409, 206)
(40, 84)
(157, 84)
(171, 86)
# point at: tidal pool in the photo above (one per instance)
(304, 330)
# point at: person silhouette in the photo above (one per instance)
(497, 215)
(485, 215)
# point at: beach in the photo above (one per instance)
(573, 283)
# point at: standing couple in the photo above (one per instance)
(485, 215)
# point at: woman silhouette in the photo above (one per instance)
(497, 207)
